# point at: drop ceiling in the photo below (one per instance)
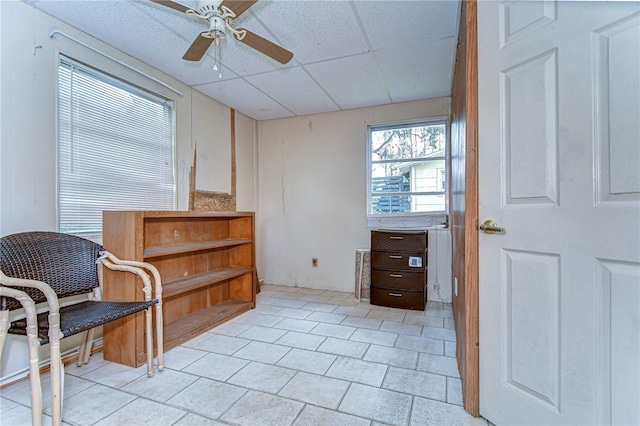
(347, 54)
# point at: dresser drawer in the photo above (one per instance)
(397, 260)
(398, 298)
(398, 279)
(401, 241)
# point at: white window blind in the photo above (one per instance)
(116, 148)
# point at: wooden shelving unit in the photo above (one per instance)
(207, 264)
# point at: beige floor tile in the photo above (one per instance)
(448, 323)
(262, 352)
(262, 377)
(181, 356)
(438, 364)
(225, 345)
(230, 328)
(196, 420)
(392, 356)
(311, 362)
(443, 313)
(418, 383)
(454, 391)
(216, 366)
(6, 404)
(420, 344)
(450, 348)
(401, 328)
(328, 317)
(439, 333)
(21, 392)
(316, 416)
(95, 361)
(333, 330)
(292, 324)
(343, 347)
(316, 390)
(208, 397)
(288, 303)
(420, 319)
(289, 295)
(163, 385)
(426, 412)
(315, 298)
(19, 415)
(143, 412)
(255, 318)
(383, 338)
(355, 370)
(378, 404)
(257, 408)
(368, 323)
(116, 375)
(301, 340)
(339, 294)
(343, 302)
(266, 309)
(263, 334)
(387, 315)
(293, 313)
(320, 307)
(89, 406)
(352, 311)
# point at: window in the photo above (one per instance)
(407, 174)
(116, 148)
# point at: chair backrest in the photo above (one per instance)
(66, 262)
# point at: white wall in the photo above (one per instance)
(312, 199)
(28, 132)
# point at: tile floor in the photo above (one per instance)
(302, 357)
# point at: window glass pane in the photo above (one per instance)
(116, 148)
(407, 171)
(408, 142)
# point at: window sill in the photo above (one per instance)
(426, 220)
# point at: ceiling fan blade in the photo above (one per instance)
(172, 5)
(198, 48)
(263, 45)
(238, 6)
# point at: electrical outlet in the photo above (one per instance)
(314, 262)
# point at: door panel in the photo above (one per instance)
(558, 152)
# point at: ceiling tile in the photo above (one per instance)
(295, 89)
(245, 98)
(313, 30)
(425, 72)
(352, 82)
(395, 24)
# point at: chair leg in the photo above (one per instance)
(149, 338)
(89, 346)
(57, 370)
(34, 364)
(160, 336)
(83, 348)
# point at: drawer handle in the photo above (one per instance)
(395, 294)
(396, 238)
(395, 275)
(394, 256)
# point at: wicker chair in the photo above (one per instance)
(49, 266)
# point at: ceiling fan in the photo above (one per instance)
(221, 16)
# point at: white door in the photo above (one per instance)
(559, 169)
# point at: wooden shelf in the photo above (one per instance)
(197, 323)
(151, 252)
(206, 262)
(195, 282)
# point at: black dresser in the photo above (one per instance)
(399, 269)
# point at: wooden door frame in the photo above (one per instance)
(464, 206)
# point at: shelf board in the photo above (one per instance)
(151, 252)
(183, 285)
(192, 325)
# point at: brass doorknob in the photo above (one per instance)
(490, 227)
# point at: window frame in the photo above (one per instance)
(136, 90)
(409, 219)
